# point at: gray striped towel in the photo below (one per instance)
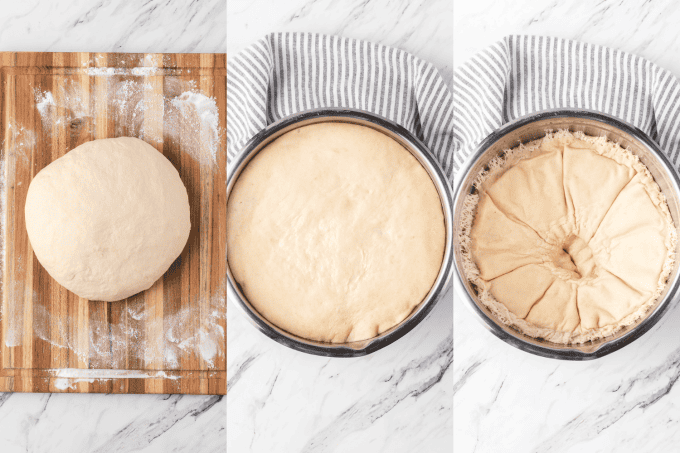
(525, 74)
(286, 73)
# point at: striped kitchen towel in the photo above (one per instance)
(525, 74)
(286, 73)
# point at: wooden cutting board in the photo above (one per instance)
(172, 337)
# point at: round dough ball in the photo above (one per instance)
(108, 219)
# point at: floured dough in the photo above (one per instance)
(335, 232)
(108, 219)
(568, 238)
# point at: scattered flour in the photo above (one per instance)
(204, 339)
(138, 71)
(184, 334)
(21, 142)
(68, 378)
(91, 374)
(43, 102)
(14, 315)
(185, 116)
(200, 112)
(18, 144)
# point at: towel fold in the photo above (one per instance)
(286, 73)
(525, 74)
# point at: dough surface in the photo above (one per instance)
(335, 232)
(571, 238)
(108, 219)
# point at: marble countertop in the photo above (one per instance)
(424, 29)
(398, 399)
(112, 423)
(508, 400)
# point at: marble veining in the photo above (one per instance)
(503, 396)
(645, 28)
(422, 28)
(112, 423)
(508, 400)
(114, 26)
(398, 399)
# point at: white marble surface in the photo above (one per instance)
(508, 400)
(112, 423)
(113, 26)
(422, 28)
(396, 400)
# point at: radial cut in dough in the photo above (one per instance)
(107, 219)
(521, 288)
(335, 232)
(539, 179)
(572, 239)
(500, 244)
(633, 239)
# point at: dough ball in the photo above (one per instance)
(108, 219)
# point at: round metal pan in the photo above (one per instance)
(420, 152)
(533, 127)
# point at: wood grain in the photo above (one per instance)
(170, 338)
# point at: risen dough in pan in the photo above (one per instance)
(571, 238)
(335, 232)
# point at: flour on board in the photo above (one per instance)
(132, 101)
(18, 144)
(187, 115)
